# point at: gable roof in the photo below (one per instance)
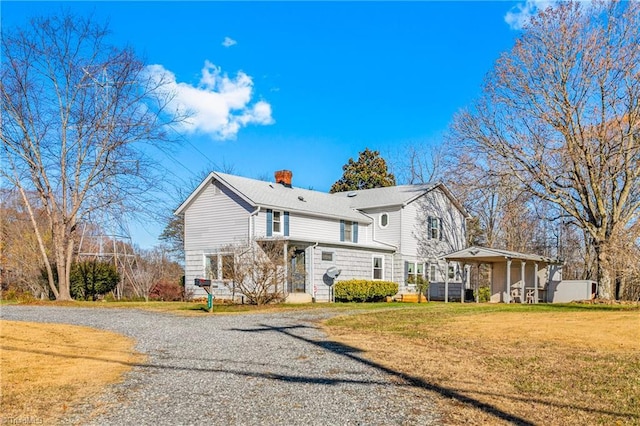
(478, 254)
(340, 205)
(272, 195)
(399, 195)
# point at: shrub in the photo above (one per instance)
(364, 290)
(484, 293)
(167, 291)
(90, 279)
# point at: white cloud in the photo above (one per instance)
(218, 106)
(228, 42)
(521, 13)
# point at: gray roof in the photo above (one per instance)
(278, 196)
(385, 197)
(342, 205)
(490, 255)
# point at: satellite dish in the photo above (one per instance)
(333, 272)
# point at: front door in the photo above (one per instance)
(297, 272)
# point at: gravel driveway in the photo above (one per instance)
(251, 369)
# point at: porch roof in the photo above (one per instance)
(476, 254)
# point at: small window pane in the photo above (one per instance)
(411, 267)
(347, 231)
(419, 268)
(377, 268)
(276, 222)
(384, 220)
(327, 256)
(452, 272)
(432, 277)
(227, 267)
(211, 267)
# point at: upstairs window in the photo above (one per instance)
(434, 228)
(277, 223)
(348, 231)
(384, 220)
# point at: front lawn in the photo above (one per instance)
(505, 364)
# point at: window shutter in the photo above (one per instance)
(342, 230)
(406, 271)
(355, 232)
(269, 222)
(286, 224)
(429, 227)
(440, 228)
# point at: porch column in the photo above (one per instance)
(446, 282)
(508, 292)
(478, 286)
(522, 292)
(535, 283)
(467, 280)
(285, 290)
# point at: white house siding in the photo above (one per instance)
(310, 228)
(354, 263)
(414, 228)
(216, 215)
(391, 233)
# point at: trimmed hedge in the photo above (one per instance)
(364, 290)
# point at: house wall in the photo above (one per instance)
(216, 218)
(389, 234)
(310, 228)
(354, 263)
(414, 228)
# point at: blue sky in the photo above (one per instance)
(305, 86)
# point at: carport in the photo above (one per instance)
(514, 277)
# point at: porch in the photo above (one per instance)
(514, 277)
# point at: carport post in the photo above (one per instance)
(446, 282)
(522, 289)
(508, 292)
(535, 283)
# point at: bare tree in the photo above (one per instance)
(76, 113)
(256, 270)
(561, 112)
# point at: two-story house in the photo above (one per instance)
(389, 233)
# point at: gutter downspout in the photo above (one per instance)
(312, 271)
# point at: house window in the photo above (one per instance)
(384, 220)
(277, 223)
(211, 266)
(327, 256)
(348, 231)
(378, 265)
(219, 266)
(277, 228)
(434, 228)
(414, 270)
(432, 272)
(348, 226)
(452, 272)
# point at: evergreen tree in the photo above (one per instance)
(369, 171)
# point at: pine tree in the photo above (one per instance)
(369, 171)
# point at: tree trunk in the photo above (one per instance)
(603, 271)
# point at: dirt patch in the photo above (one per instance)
(47, 369)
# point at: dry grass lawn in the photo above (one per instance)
(522, 365)
(47, 369)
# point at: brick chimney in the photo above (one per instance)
(284, 177)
